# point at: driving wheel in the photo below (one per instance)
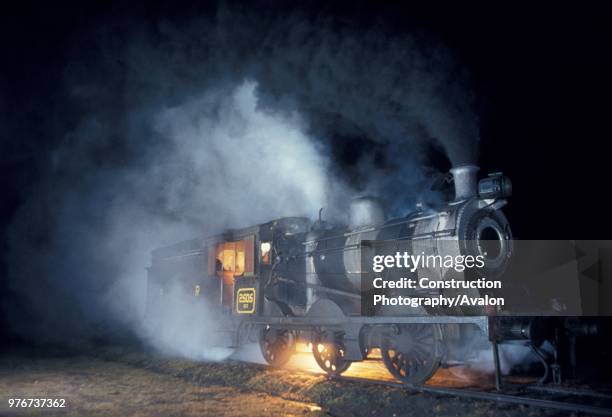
(412, 353)
(329, 354)
(277, 345)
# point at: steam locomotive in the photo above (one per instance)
(292, 279)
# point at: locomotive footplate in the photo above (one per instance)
(306, 323)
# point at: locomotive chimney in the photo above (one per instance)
(366, 211)
(466, 181)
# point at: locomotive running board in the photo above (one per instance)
(303, 322)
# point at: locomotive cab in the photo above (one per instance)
(230, 272)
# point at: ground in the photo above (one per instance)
(135, 383)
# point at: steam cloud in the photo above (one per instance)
(177, 130)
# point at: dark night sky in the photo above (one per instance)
(541, 76)
(541, 80)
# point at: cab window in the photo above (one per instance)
(232, 258)
(265, 249)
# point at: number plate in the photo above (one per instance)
(245, 301)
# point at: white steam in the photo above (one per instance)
(230, 165)
(237, 164)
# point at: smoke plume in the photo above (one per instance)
(169, 130)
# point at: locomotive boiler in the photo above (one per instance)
(292, 279)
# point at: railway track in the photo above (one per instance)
(541, 396)
(562, 399)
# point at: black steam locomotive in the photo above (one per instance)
(292, 279)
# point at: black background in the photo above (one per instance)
(541, 75)
(541, 72)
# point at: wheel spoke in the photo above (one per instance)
(411, 354)
(330, 357)
(277, 346)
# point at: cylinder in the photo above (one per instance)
(466, 181)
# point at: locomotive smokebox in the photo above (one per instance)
(366, 211)
(465, 178)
